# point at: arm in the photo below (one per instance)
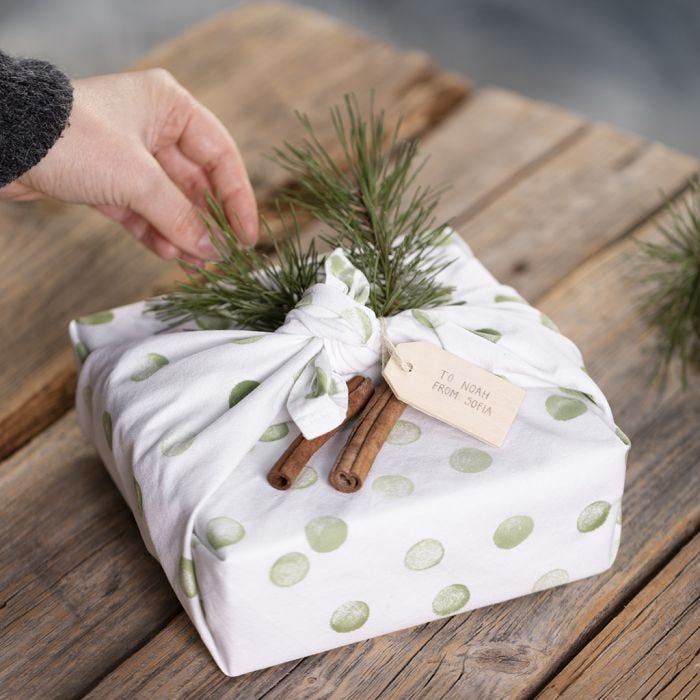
(137, 147)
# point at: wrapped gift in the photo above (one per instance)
(189, 422)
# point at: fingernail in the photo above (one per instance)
(206, 248)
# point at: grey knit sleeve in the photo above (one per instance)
(35, 102)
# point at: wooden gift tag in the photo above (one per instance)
(454, 391)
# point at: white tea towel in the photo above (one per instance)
(189, 422)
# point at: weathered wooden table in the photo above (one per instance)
(550, 202)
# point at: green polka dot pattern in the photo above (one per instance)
(96, 318)
(223, 532)
(593, 516)
(513, 531)
(308, 477)
(404, 433)
(81, 350)
(451, 599)
(289, 569)
(212, 322)
(188, 579)
(151, 365)
(275, 432)
(107, 428)
(176, 447)
(470, 460)
(555, 577)
(547, 322)
(326, 533)
(424, 555)
(564, 407)
(509, 297)
(350, 616)
(490, 334)
(248, 339)
(393, 486)
(241, 390)
(138, 496)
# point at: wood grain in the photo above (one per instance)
(651, 648)
(509, 650)
(252, 67)
(77, 588)
(549, 203)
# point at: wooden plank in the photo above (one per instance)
(510, 649)
(76, 585)
(589, 195)
(544, 130)
(650, 649)
(253, 67)
(528, 130)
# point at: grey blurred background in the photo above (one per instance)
(634, 63)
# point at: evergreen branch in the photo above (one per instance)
(246, 289)
(672, 305)
(386, 225)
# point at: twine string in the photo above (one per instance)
(390, 350)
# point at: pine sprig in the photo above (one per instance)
(246, 288)
(384, 222)
(673, 302)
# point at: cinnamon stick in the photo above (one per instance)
(366, 439)
(288, 467)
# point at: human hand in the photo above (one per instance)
(140, 149)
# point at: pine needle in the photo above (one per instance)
(672, 305)
(246, 289)
(384, 222)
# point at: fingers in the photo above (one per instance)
(168, 210)
(206, 142)
(142, 231)
(188, 176)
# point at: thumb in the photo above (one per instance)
(170, 212)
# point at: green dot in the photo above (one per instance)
(546, 321)
(622, 436)
(96, 318)
(427, 320)
(470, 460)
(576, 392)
(177, 447)
(593, 516)
(248, 339)
(188, 578)
(509, 297)
(403, 433)
(223, 531)
(241, 390)
(451, 599)
(212, 322)
(350, 616)
(307, 478)
(138, 496)
(555, 577)
(275, 432)
(152, 364)
(326, 533)
(564, 407)
(424, 554)
(289, 569)
(489, 333)
(82, 351)
(512, 531)
(393, 485)
(107, 427)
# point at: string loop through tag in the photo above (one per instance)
(387, 345)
